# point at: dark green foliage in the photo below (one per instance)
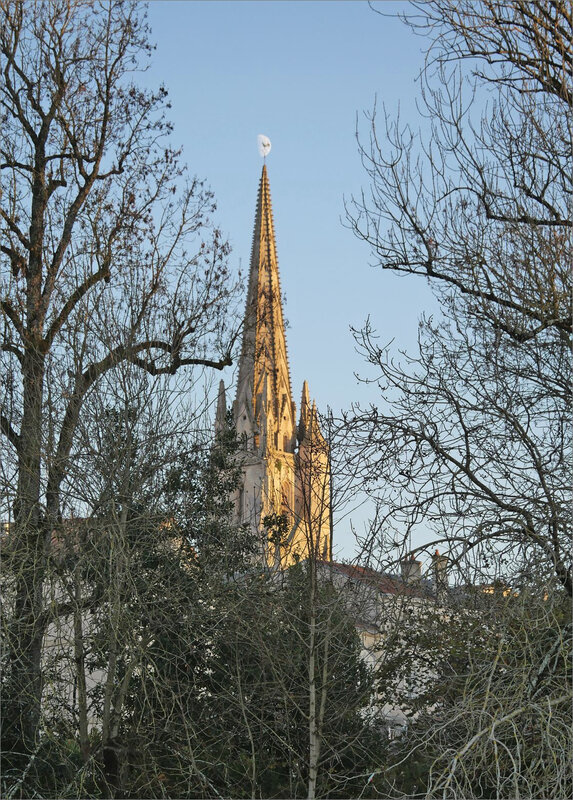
(208, 653)
(198, 493)
(224, 710)
(260, 692)
(277, 527)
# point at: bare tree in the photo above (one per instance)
(474, 439)
(505, 42)
(471, 441)
(110, 260)
(474, 447)
(481, 203)
(495, 718)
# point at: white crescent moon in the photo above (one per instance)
(264, 145)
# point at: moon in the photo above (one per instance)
(264, 145)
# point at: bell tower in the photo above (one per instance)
(285, 496)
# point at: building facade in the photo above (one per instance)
(285, 495)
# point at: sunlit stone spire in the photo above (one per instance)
(281, 485)
(264, 353)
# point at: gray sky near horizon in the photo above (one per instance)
(303, 73)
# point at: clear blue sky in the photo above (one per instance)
(301, 73)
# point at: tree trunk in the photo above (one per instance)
(31, 541)
(80, 672)
(313, 725)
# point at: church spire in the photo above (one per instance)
(264, 353)
(280, 480)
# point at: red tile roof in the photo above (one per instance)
(383, 582)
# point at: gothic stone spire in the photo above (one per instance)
(264, 386)
(279, 481)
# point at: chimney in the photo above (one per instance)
(440, 573)
(411, 570)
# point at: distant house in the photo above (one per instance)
(385, 607)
